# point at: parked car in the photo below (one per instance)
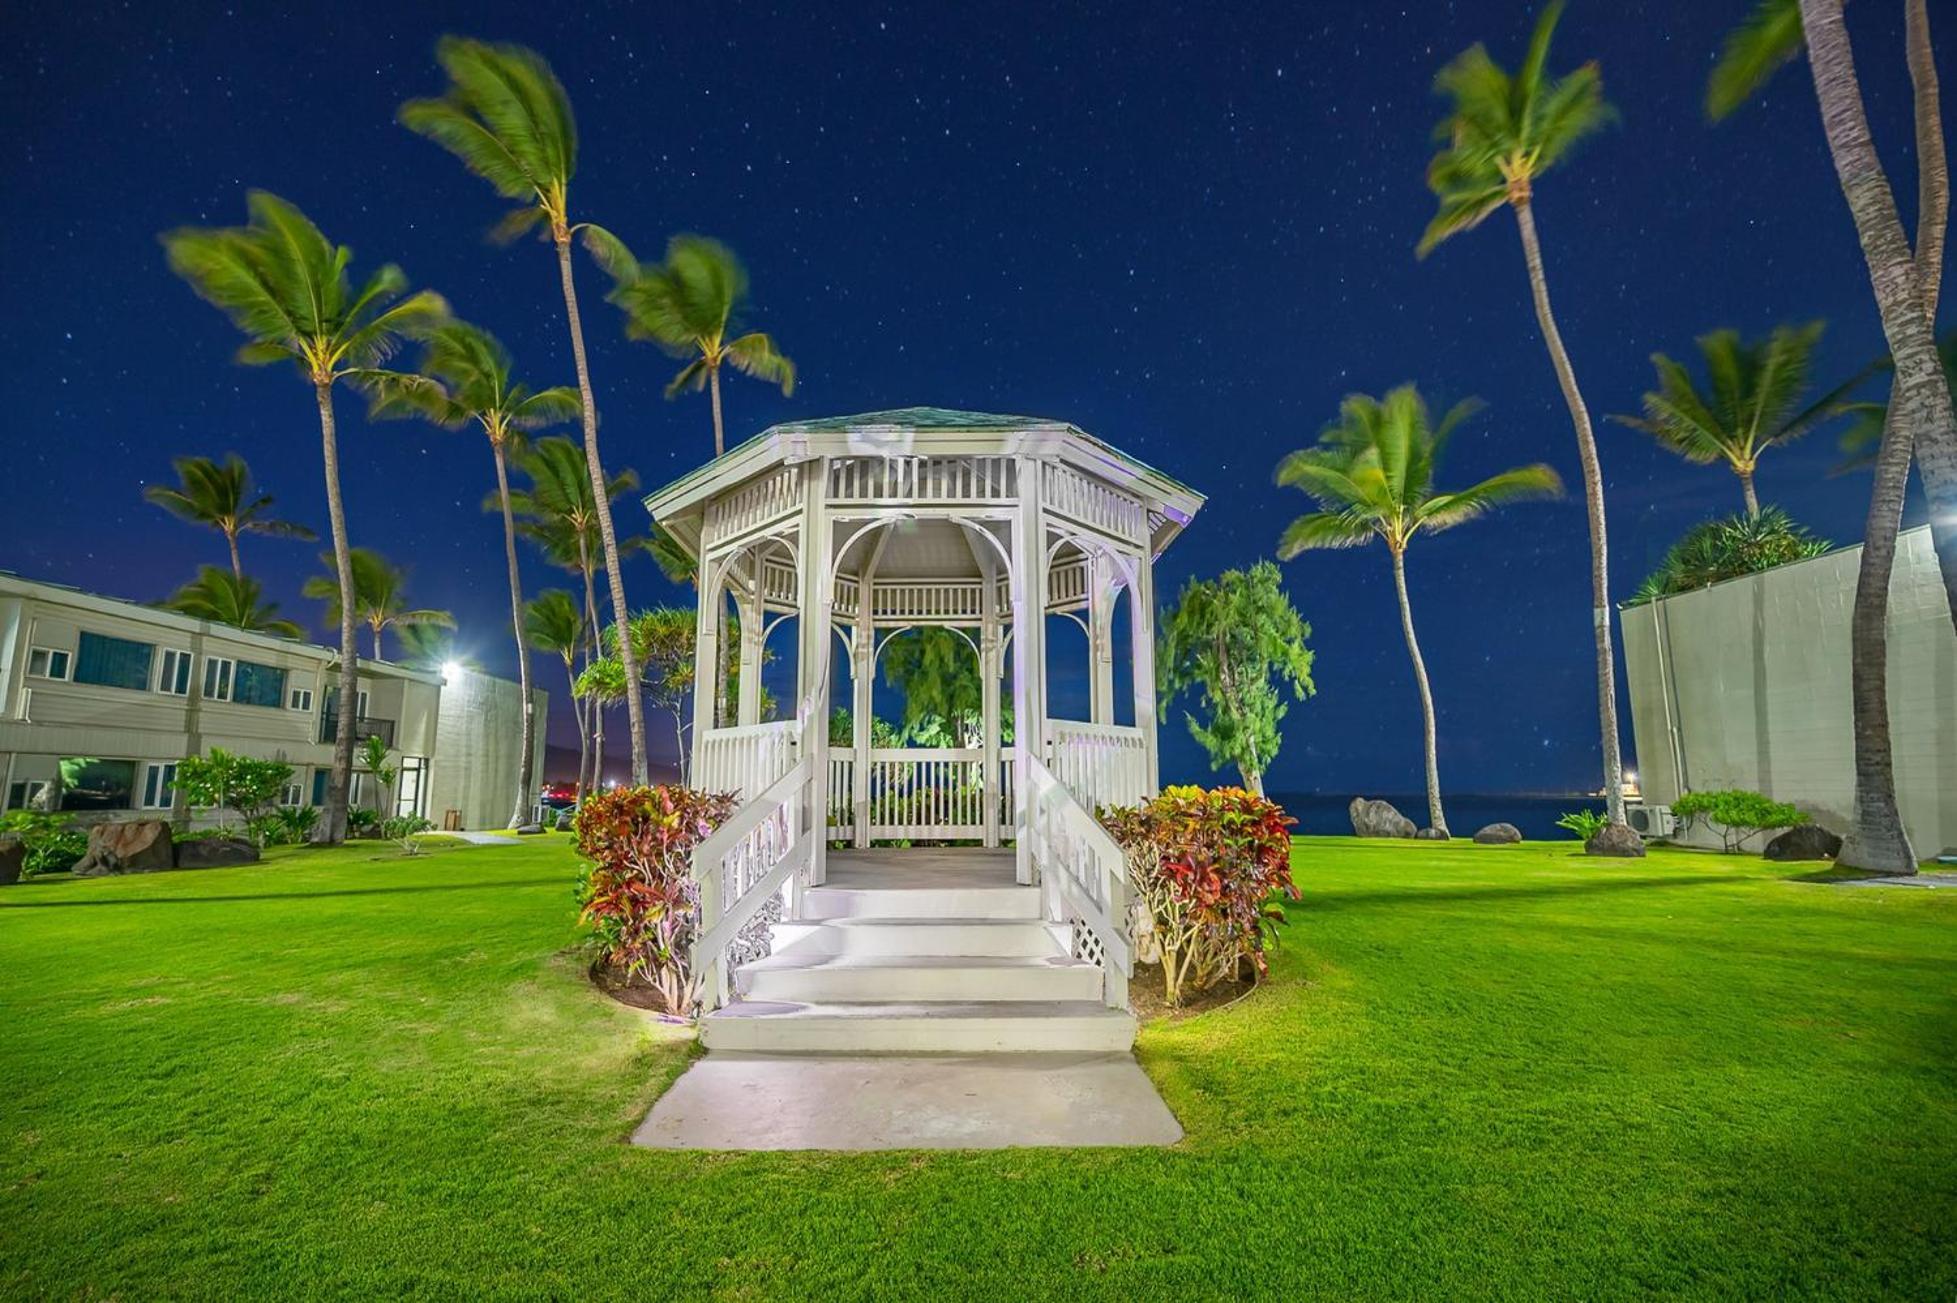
(559, 796)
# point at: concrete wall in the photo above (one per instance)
(477, 748)
(1746, 684)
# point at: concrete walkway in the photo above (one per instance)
(481, 838)
(731, 1100)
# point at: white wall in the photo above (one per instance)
(1746, 684)
(477, 743)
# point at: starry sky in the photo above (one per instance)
(1187, 229)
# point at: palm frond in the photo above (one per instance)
(1522, 484)
(609, 252)
(1325, 529)
(1770, 37)
(755, 355)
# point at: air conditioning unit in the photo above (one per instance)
(1651, 820)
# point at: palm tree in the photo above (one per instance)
(1861, 442)
(379, 596)
(225, 598)
(1372, 475)
(1505, 131)
(465, 380)
(222, 496)
(1906, 285)
(686, 306)
(506, 116)
(286, 287)
(559, 512)
(1754, 386)
(553, 623)
(431, 647)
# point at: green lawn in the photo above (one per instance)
(1478, 1071)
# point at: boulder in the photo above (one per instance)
(1616, 839)
(215, 853)
(1498, 834)
(1378, 819)
(138, 846)
(567, 820)
(529, 829)
(1433, 835)
(1807, 841)
(13, 854)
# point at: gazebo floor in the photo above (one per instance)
(902, 868)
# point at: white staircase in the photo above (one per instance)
(883, 961)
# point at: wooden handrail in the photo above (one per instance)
(1106, 918)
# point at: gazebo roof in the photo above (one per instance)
(925, 431)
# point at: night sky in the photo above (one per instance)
(1187, 230)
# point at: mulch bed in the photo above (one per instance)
(1145, 995)
(633, 995)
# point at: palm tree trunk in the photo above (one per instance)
(377, 642)
(332, 826)
(1877, 841)
(1921, 391)
(526, 761)
(231, 541)
(1435, 819)
(719, 431)
(1746, 491)
(635, 709)
(577, 713)
(595, 706)
(1593, 501)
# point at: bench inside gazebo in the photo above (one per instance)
(1011, 930)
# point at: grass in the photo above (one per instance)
(1477, 1072)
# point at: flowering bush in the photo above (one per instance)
(1205, 867)
(637, 894)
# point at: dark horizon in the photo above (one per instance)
(1189, 236)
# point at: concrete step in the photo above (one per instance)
(923, 937)
(921, 902)
(832, 979)
(972, 1027)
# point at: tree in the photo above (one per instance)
(1862, 440)
(937, 670)
(1506, 130)
(1372, 475)
(1906, 287)
(1753, 404)
(379, 596)
(662, 641)
(1717, 550)
(687, 306)
(221, 781)
(553, 623)
(1234, 640)
(287, 288)
(506, 117)
(373, 760)
(220, 596)
(559, 512)
(222, 496)
(431, 647)
(465, 380)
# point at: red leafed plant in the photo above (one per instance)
(1206, 867)
(637, 893)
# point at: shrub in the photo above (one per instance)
(1717, 550)
(223, 781)
(1584, 823)
(289, 825)
(1736, 814)
(363, 821)
(402, 830)
(52, 843)
(637, 895)
(1204, 866)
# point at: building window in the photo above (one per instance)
(28, 794)
(47, 663)
(217, 678)
(113, 662)
(407, 785)
(91, 784)
(319, 786)
(158, 779)
(294, 794)
(173, 678)
(300, 699)
(258, 685)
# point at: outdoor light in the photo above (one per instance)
(451, 669)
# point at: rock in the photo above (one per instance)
(1807, 841)
(529, 829)
(215, 853)
(13, 854)
(1433, 835)
(1498, 834)
(138, 846)
(567, 820)
(1378, 819)
(1616, 839)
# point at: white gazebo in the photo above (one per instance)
(858, 528)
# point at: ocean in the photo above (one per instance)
(1535, 815)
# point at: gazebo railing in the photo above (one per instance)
(917, 793)
(746, 759)
(1101, 764)
(741, 872)
(1087, 874)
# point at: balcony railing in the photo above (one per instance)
(364, 727)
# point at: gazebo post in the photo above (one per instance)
(753, 616)
(705, 649)
(1101, 593)
(863, 680)
(1029, 653)
(991, 663)
(1141, 632)
(813, 615)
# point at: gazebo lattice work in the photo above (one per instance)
(859, 528)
